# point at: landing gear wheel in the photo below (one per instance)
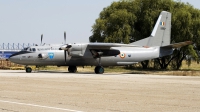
(28, 69)
(99, 70)
(72, 69)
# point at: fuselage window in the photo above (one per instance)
(47, 49)
(55, 48)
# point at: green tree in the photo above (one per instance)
(114, 23)
(135, 19)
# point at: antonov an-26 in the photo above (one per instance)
(102, 54)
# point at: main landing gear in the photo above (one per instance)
(99, 69)
(72, 69)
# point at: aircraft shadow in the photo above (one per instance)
(77, 72)
(89, 73)
(66, 72)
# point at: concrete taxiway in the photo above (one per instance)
(50, 91)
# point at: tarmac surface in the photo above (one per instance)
(48, 91)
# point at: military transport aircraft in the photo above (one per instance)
(102, 54)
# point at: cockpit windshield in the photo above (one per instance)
(29, 49)
(25, 49)
(33, 49)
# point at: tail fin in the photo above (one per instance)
(161, 33)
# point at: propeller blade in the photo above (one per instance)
(41, 38)
(65, 55)
(65, 37)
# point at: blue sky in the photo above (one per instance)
(23, 21)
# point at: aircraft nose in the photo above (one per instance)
(10, 56)
(13, 58)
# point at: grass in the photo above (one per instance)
(194, 66)
(122, 69)
(192, 70)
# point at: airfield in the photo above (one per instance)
(58, 91)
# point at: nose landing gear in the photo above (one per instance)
(28, 69)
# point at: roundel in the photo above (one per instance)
(122, 55)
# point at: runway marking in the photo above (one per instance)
(41, 106)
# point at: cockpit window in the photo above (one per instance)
(33, 49)
(29, 49)
(25, 49)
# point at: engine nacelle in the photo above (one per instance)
(99, 53)
(76, 54)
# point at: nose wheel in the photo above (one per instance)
(28, 69)
(72, 69)
(99, 70)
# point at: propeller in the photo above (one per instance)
(41, 38)
(64, 37)
(65, 47)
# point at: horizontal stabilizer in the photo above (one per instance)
(178, 45)
(168, 50)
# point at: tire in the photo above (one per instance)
(99, 70)
(72, 69)
(28, 70)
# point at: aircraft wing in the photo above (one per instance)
(108, 45)
(178, 45)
